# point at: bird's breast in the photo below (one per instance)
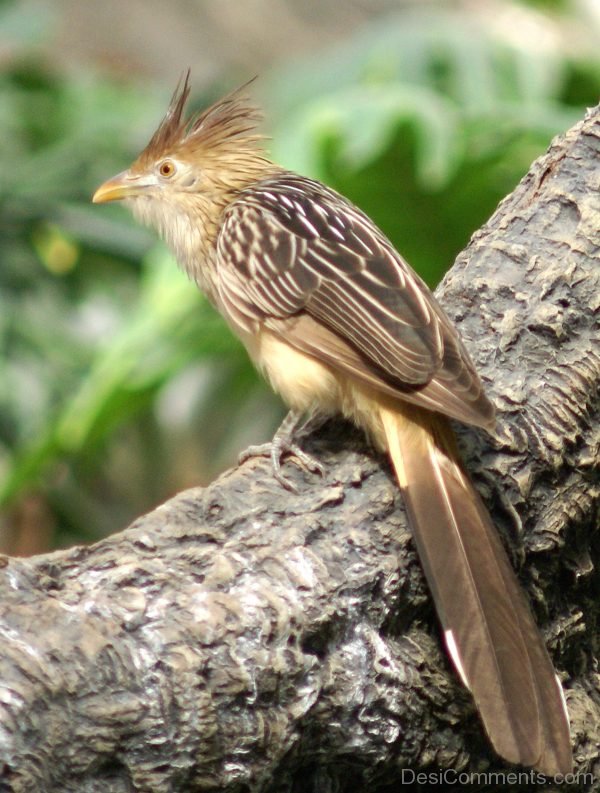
(302, 381)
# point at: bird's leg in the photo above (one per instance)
(283, 443)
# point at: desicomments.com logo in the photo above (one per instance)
(450, 776)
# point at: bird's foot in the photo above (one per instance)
(283, 445)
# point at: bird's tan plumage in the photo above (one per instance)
(338, 322)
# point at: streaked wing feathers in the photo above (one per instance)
(291, 247)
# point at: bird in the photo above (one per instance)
(339, 323)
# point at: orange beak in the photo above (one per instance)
(123, 185)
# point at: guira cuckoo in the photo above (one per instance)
(339, 323)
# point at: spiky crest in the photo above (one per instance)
(228, 126)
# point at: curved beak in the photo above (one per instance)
(123, 185)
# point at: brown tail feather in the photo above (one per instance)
(490, 632)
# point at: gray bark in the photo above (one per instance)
(243, 637)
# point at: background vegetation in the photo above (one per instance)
(118, 384)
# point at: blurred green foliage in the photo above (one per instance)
(427, 120)
(118, 384)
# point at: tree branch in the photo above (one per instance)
(243, 637)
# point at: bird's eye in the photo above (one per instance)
(166, 168)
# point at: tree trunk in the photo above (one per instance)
(242, 637)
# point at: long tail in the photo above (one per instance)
(490, 633)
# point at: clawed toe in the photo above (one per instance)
(282, 445)
(259, 450)
(305, 460)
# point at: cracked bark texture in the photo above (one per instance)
(245, 638)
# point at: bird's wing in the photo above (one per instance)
(299, 259)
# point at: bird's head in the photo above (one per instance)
(192, 168)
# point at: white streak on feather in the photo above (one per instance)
(306, 222)
(455, 656)
(337, 233)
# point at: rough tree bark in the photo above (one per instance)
(242, 637)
